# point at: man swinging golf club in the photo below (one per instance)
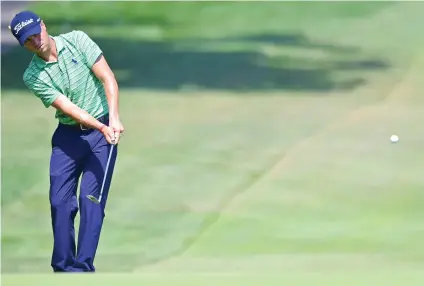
(70, 73)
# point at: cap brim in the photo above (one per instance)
(33, 31)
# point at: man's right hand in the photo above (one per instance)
(109, 134)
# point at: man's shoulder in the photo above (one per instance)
(73, 36)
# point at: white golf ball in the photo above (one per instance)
(394, 138)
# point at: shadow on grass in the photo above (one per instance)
(254, 63)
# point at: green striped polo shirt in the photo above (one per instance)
(70, 75)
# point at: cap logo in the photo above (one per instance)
(22, 24)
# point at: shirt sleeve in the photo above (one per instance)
(46, 93)
(90, 50)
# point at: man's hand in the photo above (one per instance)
(108, 134)
(116, 126)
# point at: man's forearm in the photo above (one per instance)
(112, 95)
(87, 120)
(79, 115)
(103, 72)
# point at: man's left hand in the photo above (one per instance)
(117, 127)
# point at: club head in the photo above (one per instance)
(93, 199)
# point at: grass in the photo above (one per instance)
(189, 279)
(295, 184)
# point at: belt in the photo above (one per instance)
(103, 119)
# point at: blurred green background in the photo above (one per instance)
(256, 144)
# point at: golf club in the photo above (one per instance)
(93, 198)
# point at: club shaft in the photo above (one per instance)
(106, 172)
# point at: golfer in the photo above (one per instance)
(70, 73)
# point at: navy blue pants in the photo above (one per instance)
(78, 156)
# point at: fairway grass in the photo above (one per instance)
(219, 186)
(347, 278)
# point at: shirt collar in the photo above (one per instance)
(59, 47)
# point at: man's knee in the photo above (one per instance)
(63, 208)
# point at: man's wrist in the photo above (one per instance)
(114, 115)
(101, 127)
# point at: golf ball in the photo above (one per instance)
(394, 138)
